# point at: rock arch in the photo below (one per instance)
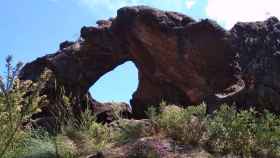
(179, 60)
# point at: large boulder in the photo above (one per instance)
(180, 60)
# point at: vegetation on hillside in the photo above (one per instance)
(245, 133)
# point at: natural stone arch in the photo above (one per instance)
(172, 52)
(179, 60)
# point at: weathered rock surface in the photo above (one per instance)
(258, 45)
(180, 60)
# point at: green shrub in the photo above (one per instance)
(245, 133)
(18, 101)
(40, 144)
(87, 135)
(232, 132)
(130, 130)
(187, 126)
(16, 107)
(268, 135)
(153, 115)
(87, 141)
(100, 135)
(87, 119)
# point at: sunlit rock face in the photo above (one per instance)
(180, 60)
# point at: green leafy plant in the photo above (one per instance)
(130, 131)
(153, 115)
(100, 134)
(41, 144)
(245, 133)
(18, 101)
(184, 125)
(88, 135)
(268, 135)
(232, 132)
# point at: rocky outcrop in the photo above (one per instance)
(258, 45)
(180, 60)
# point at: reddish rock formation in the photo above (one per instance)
(179, 60)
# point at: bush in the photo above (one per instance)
(244, 133)
(268, 135)
(87, 135)
(100, 135)
(232, 132)
(19, 100)
(39, 144)
(187, 126)
(131, 130)
(16, 107)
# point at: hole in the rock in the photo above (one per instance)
(117, 85)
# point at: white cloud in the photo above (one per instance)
(190, 3)
(228, 12)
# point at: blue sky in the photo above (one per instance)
(33, 28)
